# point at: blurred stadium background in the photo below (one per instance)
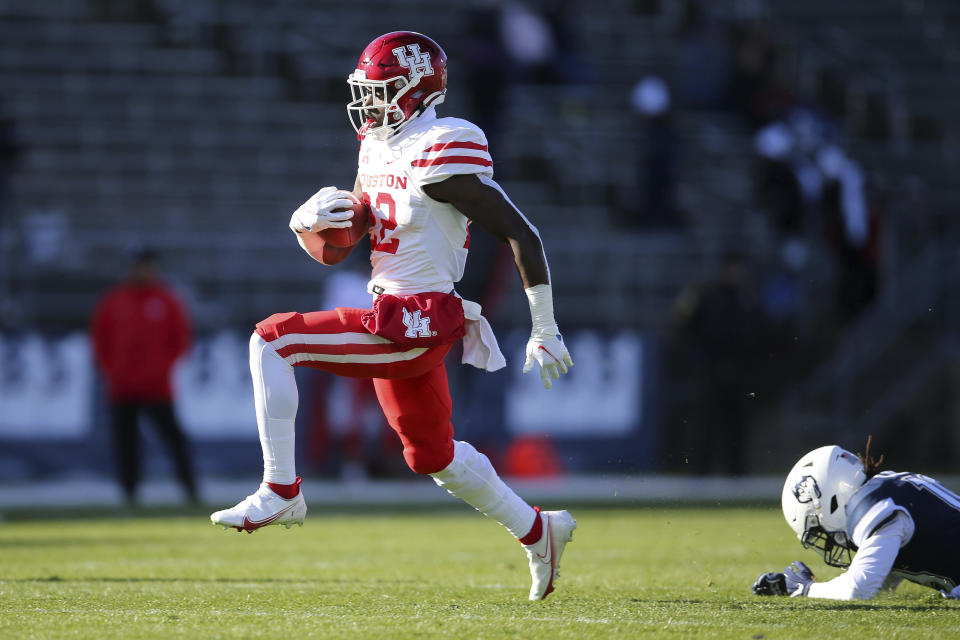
(749, 207)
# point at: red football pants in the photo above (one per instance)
(411, 384)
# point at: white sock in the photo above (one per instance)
(472, 478)
(275, 398)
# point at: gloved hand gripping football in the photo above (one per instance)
(317, 213)
(794, 581)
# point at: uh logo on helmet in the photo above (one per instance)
(398, 76)
(412, 58)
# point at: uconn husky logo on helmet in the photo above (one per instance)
(412, 58)
(806, 490)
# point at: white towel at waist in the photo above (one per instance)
(480, 347)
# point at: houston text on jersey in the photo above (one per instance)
(387, 180)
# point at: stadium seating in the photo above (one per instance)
(197, 126)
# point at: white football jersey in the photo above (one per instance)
(419, 244)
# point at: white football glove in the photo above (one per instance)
(316, 214)
(551, 354)
(545, 346)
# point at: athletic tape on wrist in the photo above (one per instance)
(540, 298)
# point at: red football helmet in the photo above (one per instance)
(399, 75)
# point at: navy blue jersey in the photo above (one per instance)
(932, 555)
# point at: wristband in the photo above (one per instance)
(540, 298)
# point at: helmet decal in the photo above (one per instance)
(410, 57)
(814, 500)
(397, 77)
(806, 490)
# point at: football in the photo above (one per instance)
(330, 255)
(349, 236)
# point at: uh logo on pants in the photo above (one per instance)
(418, 326)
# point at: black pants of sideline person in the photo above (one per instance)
(126, 434)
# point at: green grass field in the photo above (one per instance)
(629, 573)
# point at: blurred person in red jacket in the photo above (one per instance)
(140, 328)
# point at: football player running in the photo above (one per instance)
(895, 526)
(425, 178)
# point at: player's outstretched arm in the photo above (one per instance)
(488, 207)
(795, 580)
(861, 581)
(483, 201)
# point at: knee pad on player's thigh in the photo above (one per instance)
(427, 455)
(273, 380)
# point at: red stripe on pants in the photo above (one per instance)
(414, 394)
(344, 320)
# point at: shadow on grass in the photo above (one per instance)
(186, 580)
(825, 605)
(65, 542)
(202, 512)
(932, 602)
(919, 607)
